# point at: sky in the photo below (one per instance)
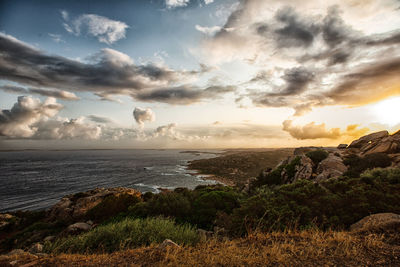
(197, 73)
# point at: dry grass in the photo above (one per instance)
(294, 248)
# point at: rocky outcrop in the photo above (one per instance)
(330, 167)
(379, 142)
(368, 139)
(342, 146)
(380, 222)
(304, 170)
(74, 207)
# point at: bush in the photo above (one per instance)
(198, 207)
(111, 206)
(336, 203)
(317, 155)
(128, 233)
(357, 164)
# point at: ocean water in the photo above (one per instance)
(32, 180)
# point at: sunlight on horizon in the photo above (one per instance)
(388, 110)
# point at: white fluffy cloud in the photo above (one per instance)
(19, 121)
(176, 3)
(31, 118)
(104, 29)
(208, 30)
(143, 115)
(208, 1)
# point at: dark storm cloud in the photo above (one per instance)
(296, 80)
(364, 84)
(334, 30)
(183, 94)
(297, 31)
(110, 69)
(53, 93)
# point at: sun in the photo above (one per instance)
(388, 111)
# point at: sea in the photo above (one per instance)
(37, 179)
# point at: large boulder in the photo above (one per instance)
(79, 227)
(74, 207)
(370, 138)
(330, 167)
(380, 222)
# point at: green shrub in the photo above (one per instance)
(197, 207)
(128, 233)
(111, 206)
(357, 164)
(336, 203)
(317, 155)
(291, 168)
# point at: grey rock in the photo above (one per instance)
(379, 222)
(304, 170)
(79, 227)
(330, 167)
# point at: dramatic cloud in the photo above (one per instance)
(108, 72)
(60, 94)
(183, 95)
(33, 119)
(104, 29)
(19, 121)
(295, 32)
(143, 115)
(316, 131)
(176, 3)
(313, 55)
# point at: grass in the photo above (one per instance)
(127, 233)
(291, 248)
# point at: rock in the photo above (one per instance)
(167, 243)
(36, 248)
(342, 146)
(74, 207)
(79, 227)
(374, 137)
(330, 167)
(12, 263)
(304, 170)
(16, 252)
(380, 222)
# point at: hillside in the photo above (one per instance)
(319, 206)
